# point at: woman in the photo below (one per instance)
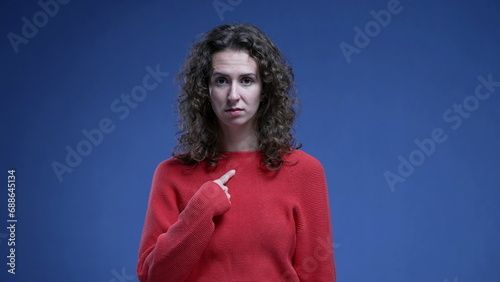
(237, 201)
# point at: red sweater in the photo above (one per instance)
(276, 227)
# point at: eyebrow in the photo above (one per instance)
(224, 74)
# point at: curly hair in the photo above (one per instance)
(198, 124)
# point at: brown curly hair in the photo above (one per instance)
(198, 124)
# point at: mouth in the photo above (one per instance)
(234, 111)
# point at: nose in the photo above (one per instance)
(234, 93)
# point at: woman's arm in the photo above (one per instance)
(172, 241)
(314, 260)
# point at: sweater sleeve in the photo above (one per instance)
(173, 241)
(314, 260)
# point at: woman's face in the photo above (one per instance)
(235, 88)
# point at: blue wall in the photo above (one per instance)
(396, 104)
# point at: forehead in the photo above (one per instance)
(233, 62)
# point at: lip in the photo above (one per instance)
(234, 111)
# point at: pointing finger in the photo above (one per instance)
(225, 178)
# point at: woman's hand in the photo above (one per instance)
(223, 180)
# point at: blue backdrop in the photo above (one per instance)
(399, 102)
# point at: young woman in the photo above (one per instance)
(238, 201)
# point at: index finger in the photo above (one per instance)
(225, 178)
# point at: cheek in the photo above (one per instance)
(257, 103)
(216, 99)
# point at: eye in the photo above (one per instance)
(220, 81)
(247, 81)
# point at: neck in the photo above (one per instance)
(238, 139)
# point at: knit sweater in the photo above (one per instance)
(276, 227)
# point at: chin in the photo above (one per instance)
(235, 123)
